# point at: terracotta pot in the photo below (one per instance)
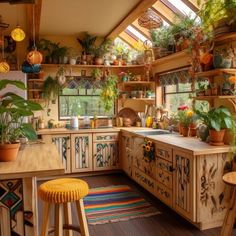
(185, 131)
(217, 137)
(8, 152)
(99, 61)
(180, 129)
(192, 130)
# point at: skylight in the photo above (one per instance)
(183, 8)
(136, 33)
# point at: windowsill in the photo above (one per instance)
(82, 117)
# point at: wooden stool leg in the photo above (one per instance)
(46, 211)
(58, 220)
(229, 217)
(82, 218)
(67, 218)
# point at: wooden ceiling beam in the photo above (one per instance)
(37, 15)
(131, 17)
(164, 12)
(128, 38)
(192, 4)
(162, 16)
(172, 7)
(145, 32)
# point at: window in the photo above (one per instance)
(82, 101)
(179, 94)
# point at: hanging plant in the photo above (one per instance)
(109, 92)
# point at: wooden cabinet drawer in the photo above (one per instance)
(164, 194)
(100, 137)
(145, 181)
(164, 165)
(165, 178)
(164, 152)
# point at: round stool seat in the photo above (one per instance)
(63, 190)
(230, 178)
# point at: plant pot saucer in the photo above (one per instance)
(217, 143)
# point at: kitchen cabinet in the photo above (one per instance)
(144, 171)
(62, 142)
(126, 147)
(184, 184)
(105, 151)
(81, 153)
(164, 173)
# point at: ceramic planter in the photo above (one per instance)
(8, 152)
(217, 137)
(220, 62)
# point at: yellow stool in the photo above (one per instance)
(62, 192)
(230, 179)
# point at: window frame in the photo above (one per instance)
(90, 116)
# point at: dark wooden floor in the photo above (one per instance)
(168, 223)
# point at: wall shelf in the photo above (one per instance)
(229, 36)
(230, 98)
(91, 66)
(137, 99)
(215, 72)
(137, 82)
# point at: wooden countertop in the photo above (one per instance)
(99, 130)
(188, 144)
(33, 160)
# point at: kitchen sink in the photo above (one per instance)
(153, 132)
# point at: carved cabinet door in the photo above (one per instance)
(105, 151)
(81, 153)
(184, 184)
(62, 143)
(126, 153)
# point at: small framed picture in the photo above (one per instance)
(83, 72)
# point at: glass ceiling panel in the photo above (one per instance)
(183, 8)
(136, 33)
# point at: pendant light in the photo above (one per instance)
(34, 56)
(4, 66)
(18, 34)
(150, 20)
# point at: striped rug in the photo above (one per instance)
(115, 203)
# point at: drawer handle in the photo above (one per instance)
(171, 169)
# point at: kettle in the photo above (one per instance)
(74, 122)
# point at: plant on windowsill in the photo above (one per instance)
(13, 110)
(96, 74)
(217, 120)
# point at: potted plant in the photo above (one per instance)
(219, 14)
(163, 41)
(184, 115)
(87, 44)
(96, 73)
(109, 92)
(201, 88)
(51, 90)
(13, 109)
(217, 120)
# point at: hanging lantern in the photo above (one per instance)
(4, 67)
(34, 57)
(150, 20)
(18, 34)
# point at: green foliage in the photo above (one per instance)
(96, 73)
(87, 43)
(51, 88)
(217, 118)
(13, 109)
(162, 37)
(109, 92)
(103, 48)
(213, 11)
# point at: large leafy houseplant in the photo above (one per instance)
(217, 120)
(87, 43)
(109, 92)
(13, 110)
